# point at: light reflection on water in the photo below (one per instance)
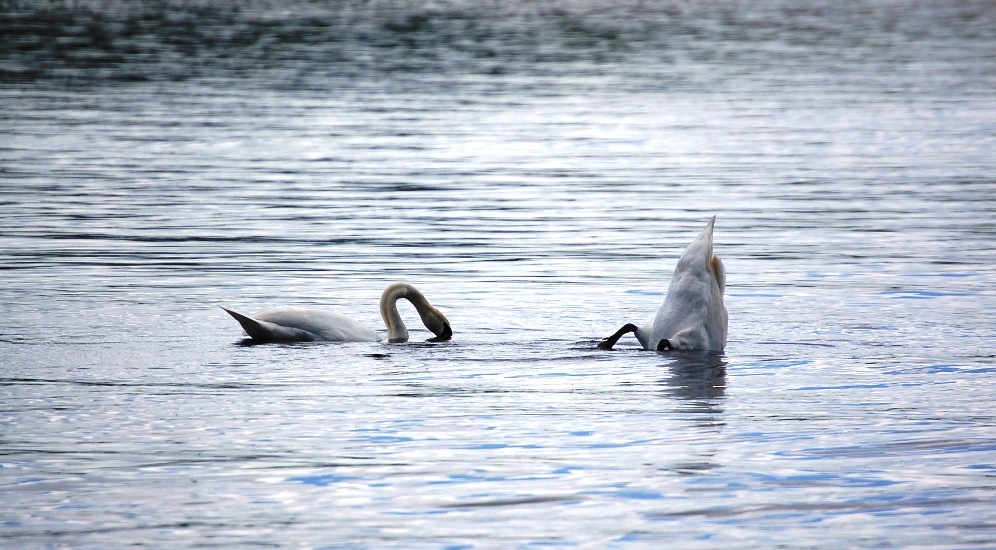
(539, 195)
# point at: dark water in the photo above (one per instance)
(535, 170)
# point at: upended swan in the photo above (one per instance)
(290, 324)
(693, 316)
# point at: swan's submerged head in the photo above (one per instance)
(434, 320)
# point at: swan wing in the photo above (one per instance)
(265, 331)
(304, 325)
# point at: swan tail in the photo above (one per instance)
(699, 252)
(264, 331)
(253, 328)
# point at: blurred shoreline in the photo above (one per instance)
(297, 43)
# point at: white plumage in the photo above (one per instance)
(290, 324)
(693, 316)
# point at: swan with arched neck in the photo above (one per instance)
(291, 324)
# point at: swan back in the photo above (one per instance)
(693, 315)
(290, 324)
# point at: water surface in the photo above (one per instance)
(536, 172)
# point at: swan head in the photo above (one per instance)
(434, 320)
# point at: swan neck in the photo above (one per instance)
(396, 329)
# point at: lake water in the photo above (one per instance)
(535, 171)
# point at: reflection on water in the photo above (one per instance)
(698, 380)
(697, 377)
(536, 169)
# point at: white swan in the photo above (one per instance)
(693, 315)
(291, 324)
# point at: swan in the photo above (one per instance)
(291, 324)
(693, 316)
